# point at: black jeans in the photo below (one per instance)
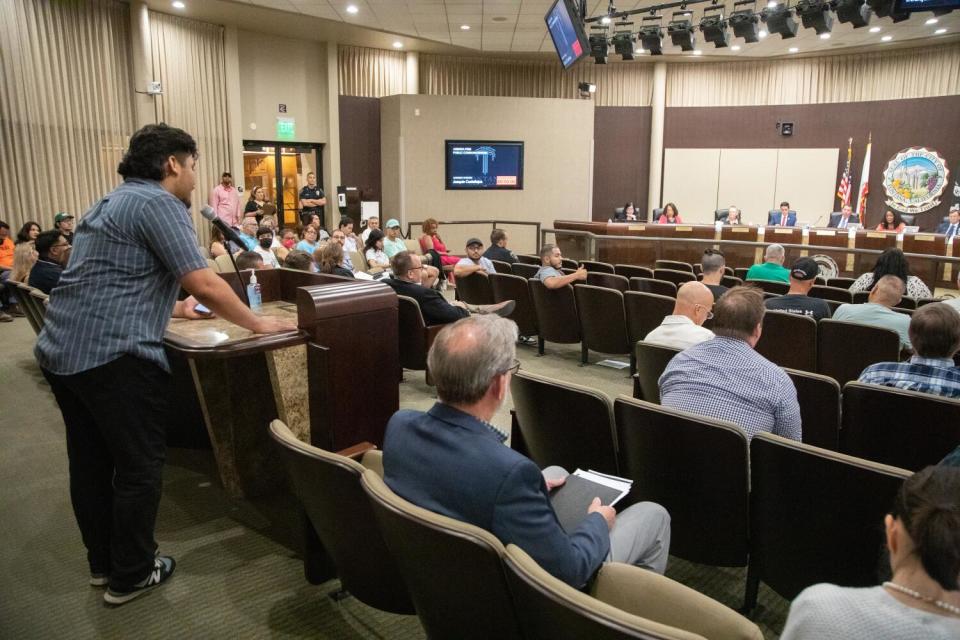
(116, 416)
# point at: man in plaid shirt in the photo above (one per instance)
(935, 335)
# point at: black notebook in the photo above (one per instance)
(571, 500)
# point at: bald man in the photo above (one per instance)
(878, 310)
(684, 327)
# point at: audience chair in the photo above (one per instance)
(697, 270)
(843, 283)
(603, 325)
(511, 287)
(224, 264)
(622, 602)
(845, 349)
(789, 340)
(771, 286)
(835, 294)
(650, 362)
(652, 285)
(633, 271)
(645, 312)
(731, 281)
(556, 314)
(923, 301)
(674, 276)
(815, 516)
(213, 265)
(328, 486)
(741, 272)
(564, 424)
(27, 304)
(567, 270)
(608, 280)
(597, 267)
(569, 263)
(475, 289)
(674, 265)
(454, 571)
(40, 304)
(906, 302)
(525, 270)
(415, 336)
(501, 266)
(526, 258)
(697, 469)
(819, 399)
(907, 429)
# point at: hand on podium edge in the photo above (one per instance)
(269, 324)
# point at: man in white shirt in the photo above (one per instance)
(474, 262)
(373, 222)
(684, 327)
(264, 242)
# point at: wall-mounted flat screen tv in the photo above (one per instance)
(484, 164)
(566, 30)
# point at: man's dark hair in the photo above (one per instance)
(738, 312)
(226, 174)
(935, 331)
(401, 263)
(344, 221)
(785, 204)
(262, 231)
(712, 261)
(298, 260)
(149, 149)
(496, 236)
(546, 251)
(45, 240)
(4, 225)
(248, 260)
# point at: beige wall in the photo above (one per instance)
(276, 70)
(557, 136)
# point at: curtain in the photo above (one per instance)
(618, 84)
(66, 111)
(371, 73)
(895, 74)
(188, 60)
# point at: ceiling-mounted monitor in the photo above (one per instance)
(938, 7)
(566, 29)
(484, 164)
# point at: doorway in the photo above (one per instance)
(282, 172)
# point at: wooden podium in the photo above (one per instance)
(326, 381)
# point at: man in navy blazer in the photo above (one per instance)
(845, 218)
(785, 218)
(452, 461)
(952, 226)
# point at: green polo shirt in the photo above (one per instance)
(769, 271)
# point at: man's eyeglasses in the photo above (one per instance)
(513, 369)
(709, 312)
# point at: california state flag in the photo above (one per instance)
(864, 184)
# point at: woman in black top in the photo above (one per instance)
(256, 202)
(629, 213)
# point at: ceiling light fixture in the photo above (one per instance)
(887, 38)
(714, 27)
(605, 20)
(816, 15)
(697, 52)
(735, 47)
(793, 49)
(465, 27)
(352, 9)
(624, 40)
(780, 20)
(888, 9)
(651, 35)
(398, 45)
(940, 31)
(824, 36)
(855, 12)
(179, 5)
(744, 21)
(931, 21)
(681, 31)
(762, 34)
(874, 29)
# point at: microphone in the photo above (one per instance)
(817, 221)
(227, 231)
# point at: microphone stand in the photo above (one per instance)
(236, 269)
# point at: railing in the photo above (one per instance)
(538, 234)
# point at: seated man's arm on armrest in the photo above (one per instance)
(556, 282)
(523, 516)
(461, 269)
(787, 415)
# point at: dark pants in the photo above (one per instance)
(116, 416)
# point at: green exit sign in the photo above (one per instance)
(286, 129)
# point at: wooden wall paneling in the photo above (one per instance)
(621, 159)
(360, 146)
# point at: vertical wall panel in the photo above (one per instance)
(690, 181)
(748, 179)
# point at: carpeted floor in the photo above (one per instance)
(238, 574)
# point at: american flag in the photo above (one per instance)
(843, 191)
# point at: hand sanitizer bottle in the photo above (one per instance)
(253, 291)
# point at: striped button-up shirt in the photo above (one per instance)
(725, 378)
(117, 293)
(938, 376)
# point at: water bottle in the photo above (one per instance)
(253, 291)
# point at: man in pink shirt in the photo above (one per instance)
(225, 200)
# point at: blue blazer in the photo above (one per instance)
(773, 218)
(945, 226)
(451, 463)
(835, 219)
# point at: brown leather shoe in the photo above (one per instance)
(502, 309)
(5, 317)
(15, 311)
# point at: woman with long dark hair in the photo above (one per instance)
(670, 215)
(892, 262)
(28, 232)
(892, 221)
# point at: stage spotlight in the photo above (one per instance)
(779, 19)
(816, 15)
(651, 36)
(598, 47)
(744, 21)
(623, 42)
(714, 27)
(887, 9)
(681, 33)
(856, 12)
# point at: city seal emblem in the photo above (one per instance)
(914, 180)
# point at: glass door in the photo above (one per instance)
(282, 172)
